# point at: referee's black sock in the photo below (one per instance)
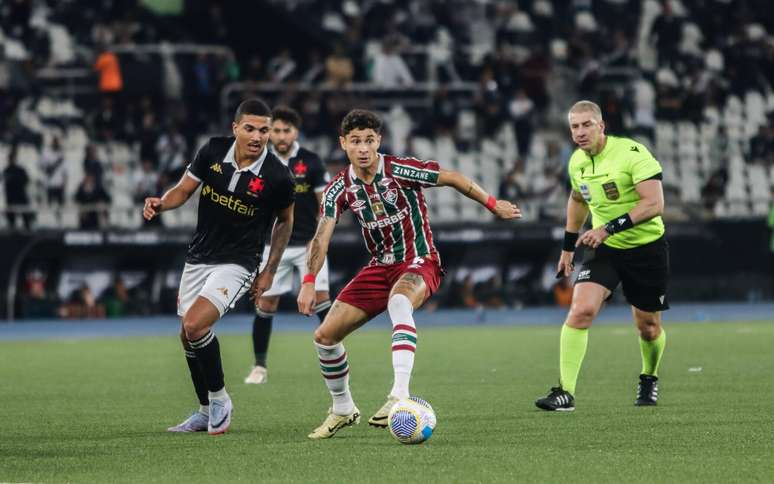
(261, 335)
(197, 377)
(207, 351)
(322, 309)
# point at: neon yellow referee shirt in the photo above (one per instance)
(607, 183)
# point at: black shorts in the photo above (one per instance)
(642, 271)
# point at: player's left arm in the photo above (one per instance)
(280, 235)
(503, 209)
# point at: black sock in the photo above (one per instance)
(197, 377)
(261, 335)
(322, 309)
(207, 351)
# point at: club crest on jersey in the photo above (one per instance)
(391, 196)
(611, 190)
(299, 170)
(358, 206)
(216, 168)
(255, 186)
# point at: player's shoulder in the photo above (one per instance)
(577, 157)
(629, 145)
(216, 144)
(306, 153)
(403, 160)
(275, 166)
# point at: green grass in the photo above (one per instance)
(96, 410)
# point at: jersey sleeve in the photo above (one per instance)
(644, 166)
(334, 200)
(414, 173)
(319, 177)
(286, 192)
(198, 167)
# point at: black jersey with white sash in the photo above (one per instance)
(236, 207)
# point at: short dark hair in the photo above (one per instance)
(286, 114)
(254, 106)
(361, 119)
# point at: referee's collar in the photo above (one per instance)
(254, 167)
(293, 153)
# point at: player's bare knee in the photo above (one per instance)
(322, 338)
(648, 325)
(581, 316)
(193, 328)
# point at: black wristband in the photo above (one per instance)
(570, 238)
(624, 222)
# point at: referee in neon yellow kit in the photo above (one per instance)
(619, 182)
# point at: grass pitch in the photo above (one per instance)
(97, 410)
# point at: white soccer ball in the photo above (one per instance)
(411, 421)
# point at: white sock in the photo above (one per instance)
(219, 395)
(204, 410)
(404, 343)
(335, 370)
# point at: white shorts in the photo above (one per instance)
(221, 284)
(293, 257)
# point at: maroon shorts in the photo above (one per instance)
(370, 288)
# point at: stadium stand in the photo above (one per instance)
(448, 88)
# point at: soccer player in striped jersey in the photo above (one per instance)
(385, 194)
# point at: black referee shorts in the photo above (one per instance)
(642, 271)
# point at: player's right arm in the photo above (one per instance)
(173, 198)
(577, 213)
(315, 257)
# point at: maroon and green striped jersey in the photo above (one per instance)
(391, 210)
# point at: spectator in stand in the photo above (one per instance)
(115, 299)
(513, 187)
(714, 189)
(55, 170)
(93, 200)
(762, 145)
(339, 69)
(389, 68)
(521, 109)
(82, 304)
(171, 151)
(92, 164)
(36, 301)
(666, 33)
(17, 201)
(147, 184)
(281, 66)
(110, 80)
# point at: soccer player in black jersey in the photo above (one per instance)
(311, 178)
(243, 188)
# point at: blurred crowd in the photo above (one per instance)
(482, 68)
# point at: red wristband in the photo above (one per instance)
(309, 278)
(490, 203)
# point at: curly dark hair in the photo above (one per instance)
(361, 119)
(286, 114)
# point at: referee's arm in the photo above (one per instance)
(577, 212)
(651, 202)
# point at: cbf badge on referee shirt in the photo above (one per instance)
(611, 190)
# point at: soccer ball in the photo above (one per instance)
(411, 420)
